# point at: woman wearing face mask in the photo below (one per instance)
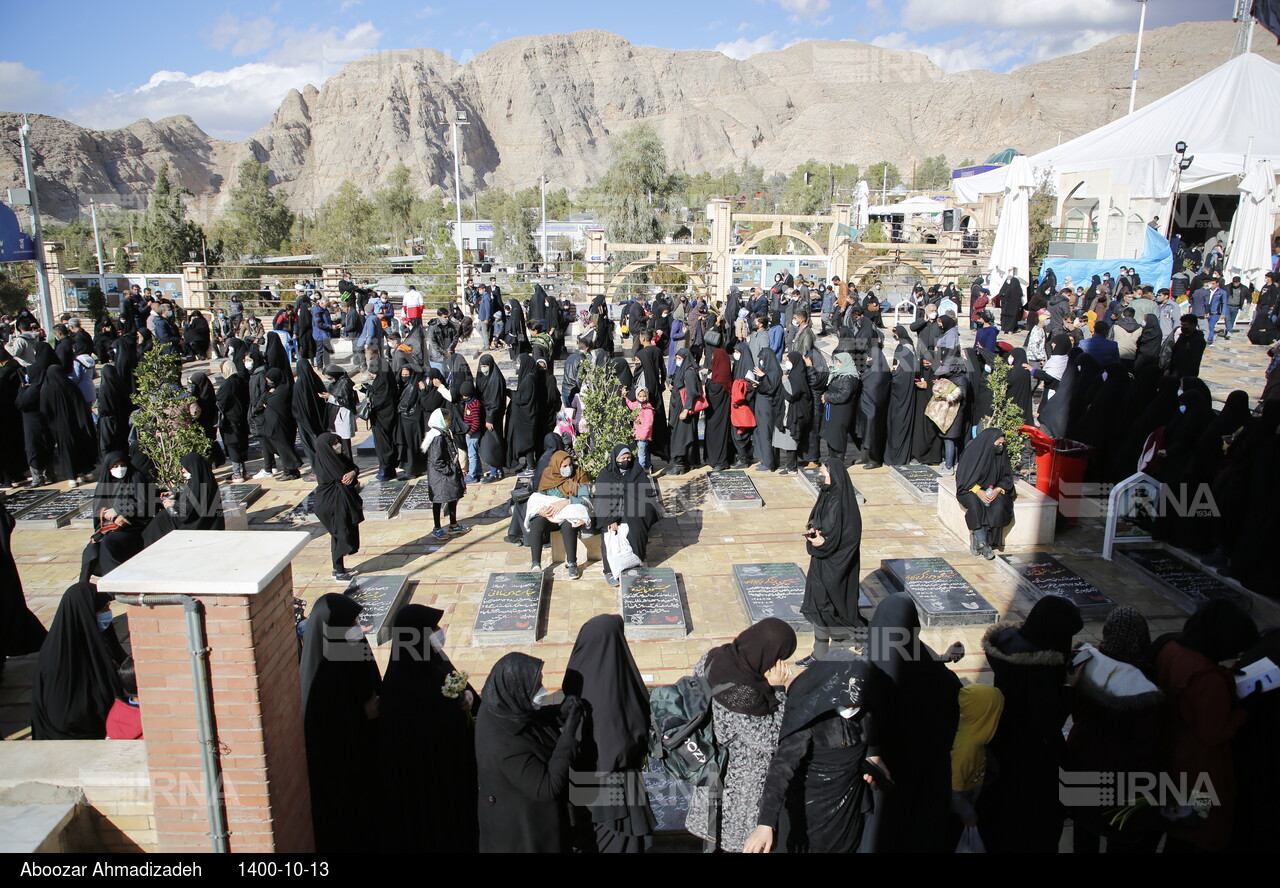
(984, 487)
(792, 412)
(383, 396)
(340, 685)
(833, 538)
(562, 498)
(524, 753)
(686, 388)
(198, 505)
(431, 740)
(766, 381)
(337, 502)
(625, 498)
(412, 422)
(444, 475)
(233, 417)
(76, 682)
(123, 508)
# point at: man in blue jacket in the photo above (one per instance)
(370, 335)
(1216, 306)
(1101, 347)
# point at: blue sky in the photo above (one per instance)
(228, 65)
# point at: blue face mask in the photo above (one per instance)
(1182, 408)
(104, 620)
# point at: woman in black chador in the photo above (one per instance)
(125, 498)
(984, 486)
(76, 682)
(902, 397)
(686, 388)
(834, 540)
(817, 794)
(337, 501)
(428, 740)
(615, 736)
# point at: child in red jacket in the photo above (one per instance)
(124, 720)
(643, 428)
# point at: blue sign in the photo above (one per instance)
(15, 246)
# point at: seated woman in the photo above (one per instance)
(625, 498)
(76, 682)
(123, 507)
(562, 497)
(198, 505)
(984, 486)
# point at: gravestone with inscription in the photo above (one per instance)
(773, 589)
(734, 490)
(379, 596)
(1040, 574)
(301, 514)
(509, 609)
(381, 499)
(668, 798)
(242, 495)
(651, 603)
(365, 447)
(810, 479)
(919, 481)
(943, 597)
(58, 511)
(22, 500)
(1187, 582)
(417, 502)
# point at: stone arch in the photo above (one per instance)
(784, 229)
(695, 278)
(886, 261)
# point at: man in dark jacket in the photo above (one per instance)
(1183, 350)
(1059, 308)
(442, 338)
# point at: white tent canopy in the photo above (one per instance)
(1215, 115)
(915, 206)
(1010, 252)
(1253, 226)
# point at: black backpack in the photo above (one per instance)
(682, 739)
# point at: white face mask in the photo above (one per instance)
(186, 476)
(787, 366)
(680, 363)
(484, 369)
(795, 322)
(120, 472)
(538, 697)
(354, 633)
(566, 470)
(248, 365)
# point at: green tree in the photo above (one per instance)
(1040, 213)
(513, 231)
(607, 419)
(14, 295)
(96, 307)
(343, 232)
(165, 420)
(395, 202)
(932, 172)
(883, 176)
(1005, 414)
(167, 239)
(260, 219)
(122, 261)
(808, 188)
(634, 197)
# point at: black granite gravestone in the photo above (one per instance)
(919, 481)
(668, 798)
(509, 609)
(734, 490)
(810, 479)
(1185, 580)
(651, 603)
(365, 447)
(379, 596)
(58, 511)
(417, 502)
(774, 589)
(943, 597)
(22, 500)
(243, 495)
(1040, 574)
(301, 514)
(381, 499)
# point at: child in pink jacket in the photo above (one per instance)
(643, 428)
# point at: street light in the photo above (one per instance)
(542, 181)
(460, 119)
(1137, 56)
(37, 235)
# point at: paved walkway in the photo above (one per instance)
(698, 540)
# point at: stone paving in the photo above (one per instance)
(697, 539)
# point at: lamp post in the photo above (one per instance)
(1184, 163)
(97, 245)
(37, 235)
(542, 181)
(1137, 56)
(459, 119)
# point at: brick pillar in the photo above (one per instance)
(195, 286)
(331, 276)
(595, 256)
(53, 252)
(839, 241)
(720, 211)
(257, 697)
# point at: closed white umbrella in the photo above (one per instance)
(862, 208)
(1254, 225)
(1013, 232)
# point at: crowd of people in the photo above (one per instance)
(885, 743)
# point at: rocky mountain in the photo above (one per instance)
(555, 103)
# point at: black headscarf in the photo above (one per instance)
(836, 512)
(1219, 630)
(308, 407)
(200, 504)
(337, 505)
(76, 682)
(328, 661)
(603, 673)
(625, 377)
(492, 387)
(130, 496)
(1051, 625)
(980, 464)
(1019, 384)
(827, 687)
(509, 690)
(743, 663)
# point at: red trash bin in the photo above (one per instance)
(1059, 463)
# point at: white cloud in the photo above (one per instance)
(958, 54)
(743, 48)
(426, 12)
(242, 37)
(925, 15)
(232, 104)
(22, 89)
(348, 4)
(805, 9)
